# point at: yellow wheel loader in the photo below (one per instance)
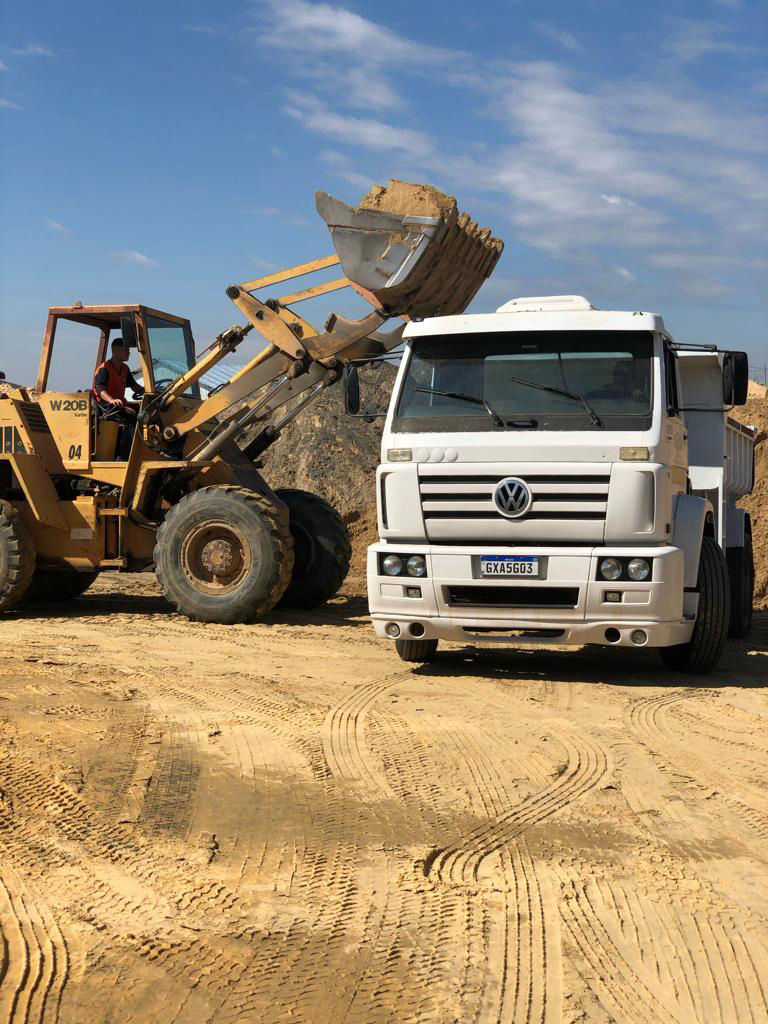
(187, 499)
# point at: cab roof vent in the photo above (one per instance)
(545, 304)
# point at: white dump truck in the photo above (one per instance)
(553, 473)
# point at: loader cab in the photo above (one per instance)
(77, 340)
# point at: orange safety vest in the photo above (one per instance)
(117, 379)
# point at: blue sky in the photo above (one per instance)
(155, 152)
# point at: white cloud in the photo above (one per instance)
(349, 57)
(54, 225)
(277, 153)
(357, 131)
(648, 170)
(32, 50)
(136, 258)
(8, 104)
(560, 36)
(3, 67)
(688, 39)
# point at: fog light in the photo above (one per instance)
(416, 566)
(613, 596)
(638, 569)
(417, 629)
(392, 565)
(392, 629)
(399, 455)
(413, 591)
(634, 454)
(639, 637)
(610, 568)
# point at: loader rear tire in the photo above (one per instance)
(321, 547)
(17, 557)
(55, 586)
(703, 650)
(224, 554)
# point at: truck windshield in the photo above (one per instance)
(598, 379)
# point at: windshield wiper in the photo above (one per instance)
(461, 397)
(561, 391)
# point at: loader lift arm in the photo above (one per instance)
(402, 265)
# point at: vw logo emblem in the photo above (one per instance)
(512, 497)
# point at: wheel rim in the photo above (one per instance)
(215, 557)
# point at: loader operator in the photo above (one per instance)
(109, 384)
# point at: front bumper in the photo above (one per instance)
(583, 616)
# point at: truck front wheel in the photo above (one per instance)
(703, 650)
(416, 650)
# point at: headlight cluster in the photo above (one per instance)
(403, 565)
(636, 569)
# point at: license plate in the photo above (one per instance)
(508, 565)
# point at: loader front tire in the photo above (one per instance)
(55, 586)
(321, 547)
(224, 554)
(17, 557)
(703, 650)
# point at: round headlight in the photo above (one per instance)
(392, 565)
(392, 629)
(638, 569)
(416, 566)
(610, 568)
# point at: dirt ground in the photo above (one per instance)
(283, 822)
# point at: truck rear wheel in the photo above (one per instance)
(17, 557)
(322, 549)
(224, 554)
(702, 652)
(741, 573)
(416, 650)
(52, 586)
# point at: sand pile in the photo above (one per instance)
(405, 199)
(755, 414)
(325, 451)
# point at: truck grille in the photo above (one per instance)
(514, 597)
(554, 497)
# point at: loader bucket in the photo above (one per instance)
(410, 247)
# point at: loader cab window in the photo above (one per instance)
(173, 352)
(522, 377)
(74, 356)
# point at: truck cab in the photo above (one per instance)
(555, 473)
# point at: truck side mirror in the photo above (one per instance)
(351, 391)
(735, 378)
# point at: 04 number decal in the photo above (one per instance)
(75, 452)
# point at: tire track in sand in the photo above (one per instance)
(586, 767)
(34, 958)
(525, 933)
(647, 720)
